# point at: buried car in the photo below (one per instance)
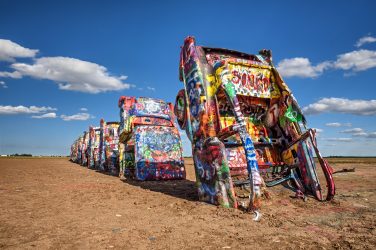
(74, 151)
(84, 147)
(108, 148)
(149, 143)
(93, 147)
(79, 142)
(246, 128)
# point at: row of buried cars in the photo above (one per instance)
(144, 145)
(246, 130)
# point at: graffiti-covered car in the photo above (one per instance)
(74, 151)
(80, 141)
(93, 147)
(150, 145)
(108, 148)
(246, 128)
(84, 146)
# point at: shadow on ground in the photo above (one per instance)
(184, 189)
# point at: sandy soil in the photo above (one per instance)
(53, 203)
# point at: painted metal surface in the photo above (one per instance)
(108, 148)
(74, 151)
(79, 149)
(84, 147)
(244, 124)
(150, 146)
(93, 147)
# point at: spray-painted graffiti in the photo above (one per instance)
(150, 143)
(240, 103)
(84, 146)
(250, 81)
(109, 151)
(93, 148)
(151, 108)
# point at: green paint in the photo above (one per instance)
(292, 115)
(230, 89)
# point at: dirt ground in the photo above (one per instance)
(53, 203)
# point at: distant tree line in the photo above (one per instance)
(339, 156)
(30, 155)
(25, 155)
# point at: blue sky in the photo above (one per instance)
(63, 65)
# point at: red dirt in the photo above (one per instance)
(53, 203)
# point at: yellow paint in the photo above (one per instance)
(287, 156)
(275, 94)
(213, 86)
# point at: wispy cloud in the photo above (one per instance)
(301, 67)
(351, 62)
(355, 132)
(44, 116)
(72, 74)
(371, 135)
(341, 105)
(352, 131)
(150, 88)
(10, 50)
(358, 60)
(83, 109)
(337, 124)
(359, 132)
(365, 40)
(14, 74)
(14, 110)
(68, 73)
(3, 85)
(77, 117)
(338, 139)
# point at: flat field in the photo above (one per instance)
(53, 203)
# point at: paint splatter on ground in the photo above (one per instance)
(53, 203)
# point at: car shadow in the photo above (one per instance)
(183, 189)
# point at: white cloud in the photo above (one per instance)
(14, 110)
(339, 139)
(353, 61)
(333, 124)
(371, 135)
(72, 74)
(353, 131)
(358, 60)
(301, 67)
(365, 40)
(2, 84)
(83, 109)
(150, 88)
(337, 124)
(47, 115)
(341, 105)
(10, 50)
(359, 132)
(77, 117)
(15, 74)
